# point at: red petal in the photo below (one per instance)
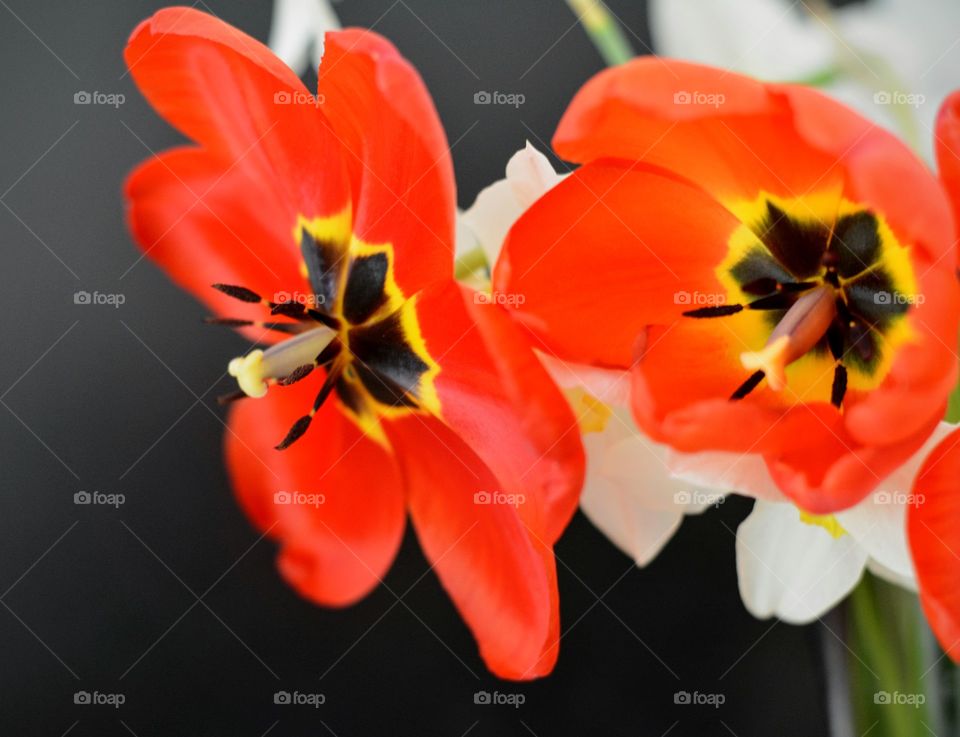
(396, 151)
(336, 551)
(784, 139)
(933, 527)
(497, 574)
(608, 251)
(495, 394)
(229, 93)
(194, 218)
(948, 150)
(726, 132)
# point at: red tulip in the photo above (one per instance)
(387, 387)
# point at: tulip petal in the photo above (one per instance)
(934, 534)
(498, 574)
(336, 506)
(396, 153)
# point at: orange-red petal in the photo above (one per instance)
(192, 215)
(948, 150)
(230, 94)
(497, 397)
(933, 527)
(396, 152)
(333, 500)
(500, 581)
(612, 248)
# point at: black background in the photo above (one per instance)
(120, 400)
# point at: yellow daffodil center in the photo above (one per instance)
(592, 414)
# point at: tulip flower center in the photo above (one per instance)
(352, 321)
(817, 294)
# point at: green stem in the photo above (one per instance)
(885, 659)
(603, 30)
(470, 262)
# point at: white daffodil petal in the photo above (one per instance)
(528, 176)
(878, 569)
(879, 521)
(610, 386)
(619, 514)
(297, 29)
(793, 570)
(743, 473)
(629, 493)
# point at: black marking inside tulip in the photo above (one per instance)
(797, 246)
(797, 255)
(382, 349)
(323, 260)
(365, 290)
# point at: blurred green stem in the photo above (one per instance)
(603, 29)
(886, 660)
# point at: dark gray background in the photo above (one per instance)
(119, 400)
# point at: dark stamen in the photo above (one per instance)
(748, 386)
(839, 389)
(241, 293)
(322, 317)
(300, 372)
(329, 353)
(717, 311)
(800, 286)
(296, 432)
(300, 426)
(287, 309)
(780, 301)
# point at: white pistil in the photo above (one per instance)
(253, 370)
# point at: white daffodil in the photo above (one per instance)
(797, 566)
(892, 60)
(628, 494)
(485, 223)
(296, 31)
